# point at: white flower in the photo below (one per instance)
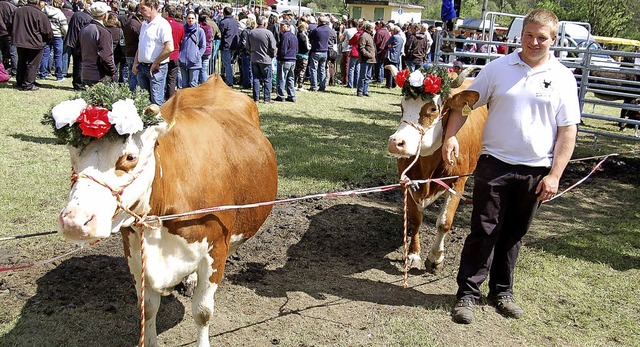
(66, 112)
(416, 78)
(124, 115)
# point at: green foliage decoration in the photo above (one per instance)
(418, 92)
(103, 95)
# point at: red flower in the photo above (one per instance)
(432, 84)
(94, 121)
(401, 77)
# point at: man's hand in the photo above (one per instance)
(547, 188)
(450, 150)
(154, 67)
(134, 68)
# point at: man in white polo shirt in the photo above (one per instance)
(527, 142)
(154, 48)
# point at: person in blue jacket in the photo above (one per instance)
(192, 49)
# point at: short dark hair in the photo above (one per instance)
(151, 3)
(227, 11)
(170, 10)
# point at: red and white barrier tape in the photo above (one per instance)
(314, 196)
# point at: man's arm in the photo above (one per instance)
(450, 145)
(164, 54)
(562, 151)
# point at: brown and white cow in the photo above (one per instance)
(209, 151)
(431, 115)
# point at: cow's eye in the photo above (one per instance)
(433, 110)
(131, 157)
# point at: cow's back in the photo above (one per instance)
(214, 154)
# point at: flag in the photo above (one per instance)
(447, 12)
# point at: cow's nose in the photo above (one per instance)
(396, 145)
(76, 223)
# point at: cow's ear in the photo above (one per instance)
(462, 99)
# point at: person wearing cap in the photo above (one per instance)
(458, 66)
(96, 47)
(154, 48)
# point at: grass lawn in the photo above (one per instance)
(578, 273)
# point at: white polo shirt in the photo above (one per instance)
(153, 35)
(525, 108)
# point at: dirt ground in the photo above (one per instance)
(324, 272)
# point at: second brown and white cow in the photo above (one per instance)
(207, 151)
(430, 115)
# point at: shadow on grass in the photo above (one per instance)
(326, 254)
(340, 151)
(87, 301)
(35, 139)
(597, 222)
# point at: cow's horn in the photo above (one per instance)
(458, 81)
(393, 69)
(152, 109)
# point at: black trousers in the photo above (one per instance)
(28, 64)
(77, 71)
(504, 203)
(172, 78)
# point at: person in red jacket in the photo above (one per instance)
(177, 31)
(354, 58)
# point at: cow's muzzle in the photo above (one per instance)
(397, 145)
(76, 224)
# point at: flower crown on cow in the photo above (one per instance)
(106, 110)
(425, 83)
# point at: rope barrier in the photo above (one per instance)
(146, 219)
(7, 238)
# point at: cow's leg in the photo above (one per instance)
(414, 216)
(202, 302)
(151, 306)
(131, 243)
(435, 258)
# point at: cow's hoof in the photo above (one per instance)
(433, 268)
(414, 261)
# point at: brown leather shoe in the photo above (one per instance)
(506, 305)
(462, 312)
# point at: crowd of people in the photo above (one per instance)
(164, 48)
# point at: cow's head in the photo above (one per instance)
(423, 105)
(113, 169)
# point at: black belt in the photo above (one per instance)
(149, 64)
